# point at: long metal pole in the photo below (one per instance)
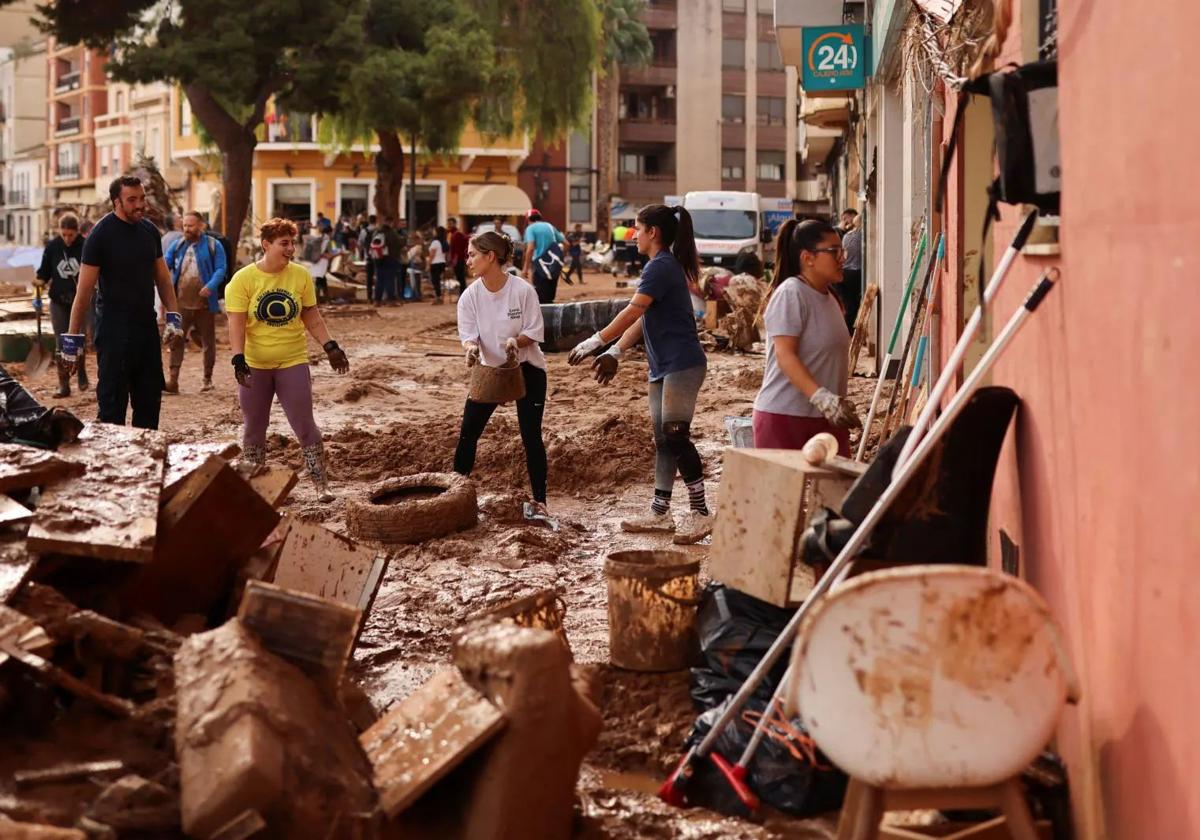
(900, 478)
(964, 342)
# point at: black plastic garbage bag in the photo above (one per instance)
(787, 771)
(24, 420)
(735, 630)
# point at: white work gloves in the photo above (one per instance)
(472, 353)
(837, 410)
(585, 348)
(510, 350)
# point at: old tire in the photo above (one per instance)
(441, 503)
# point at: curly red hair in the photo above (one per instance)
(275, 228)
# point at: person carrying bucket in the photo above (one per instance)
(661, 313)
(499, 323)
(804, 386)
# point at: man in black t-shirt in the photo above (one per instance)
(60, 269)
(124, 252)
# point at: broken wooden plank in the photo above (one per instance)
(313, 633)
(246, 824)
(111, 511)
(273, 483)
(15, 563)
(67, 773)
(206, 532)
(318, 561)
(10, 830)
(23, 467)
(185, 458)
(18, 641)
(12, 511)
(425, 736)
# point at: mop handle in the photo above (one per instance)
(960, 349)
(887, 356)
(900, 478)
(908, 288)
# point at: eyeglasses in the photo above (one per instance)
(837, 252)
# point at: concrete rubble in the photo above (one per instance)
(163, 677)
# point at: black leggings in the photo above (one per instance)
(435, 277)
(530, 409)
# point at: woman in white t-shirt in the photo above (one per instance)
(437, 262)
(804, 386)
(500, 320)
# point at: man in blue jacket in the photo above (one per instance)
(197, 265)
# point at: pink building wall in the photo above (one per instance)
(1106, 490)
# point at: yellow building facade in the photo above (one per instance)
(294, 176)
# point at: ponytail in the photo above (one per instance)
(675, 227)
(796, 236)
(787, 261)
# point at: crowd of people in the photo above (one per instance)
(110, 283)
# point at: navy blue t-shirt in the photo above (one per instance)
(127, 255)
(669, 325)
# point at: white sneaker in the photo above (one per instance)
(649, 523)
(692, 527)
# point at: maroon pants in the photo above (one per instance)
(783, 431)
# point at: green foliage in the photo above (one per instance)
(626, 41)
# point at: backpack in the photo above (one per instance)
(230, 265)
(379, 248)
(550, 264)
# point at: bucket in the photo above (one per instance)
(652, 600)
(497, 384)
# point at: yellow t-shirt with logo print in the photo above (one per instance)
(272, 303)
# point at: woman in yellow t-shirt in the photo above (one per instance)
(270, 304)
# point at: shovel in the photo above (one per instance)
(38, 359)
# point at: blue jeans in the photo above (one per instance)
(672, 406)
(385, 278)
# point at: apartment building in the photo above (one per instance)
(76, 95)
(23, 144)
(714, 109)
(136, 123)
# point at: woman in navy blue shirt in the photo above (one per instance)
(661, 314)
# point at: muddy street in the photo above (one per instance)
(397, 413)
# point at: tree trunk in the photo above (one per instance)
(389, 175)
(236, 140)
(607, 89)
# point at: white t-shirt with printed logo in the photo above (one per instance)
(491, 318)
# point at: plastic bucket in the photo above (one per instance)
(652, 601)
(497, 384)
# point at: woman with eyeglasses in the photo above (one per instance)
(804, 386)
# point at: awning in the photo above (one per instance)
(492, 200)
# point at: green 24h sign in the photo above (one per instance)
(834, 58)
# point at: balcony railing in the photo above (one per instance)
(18, 197)
(69, 125)
(68, 81)
(67, 172)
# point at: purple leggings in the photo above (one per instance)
(293, 385)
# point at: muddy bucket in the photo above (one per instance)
(497, 384)
(652, 600)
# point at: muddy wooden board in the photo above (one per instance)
(12, 511)
(427, 735)
(15, 563)
(318, 561)
(19, 631)
(274, 483)
(315, 634)
(22, 467)
(111, 511)
(185, 458)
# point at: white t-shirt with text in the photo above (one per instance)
(491, 318)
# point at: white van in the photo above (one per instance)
(726, 224)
